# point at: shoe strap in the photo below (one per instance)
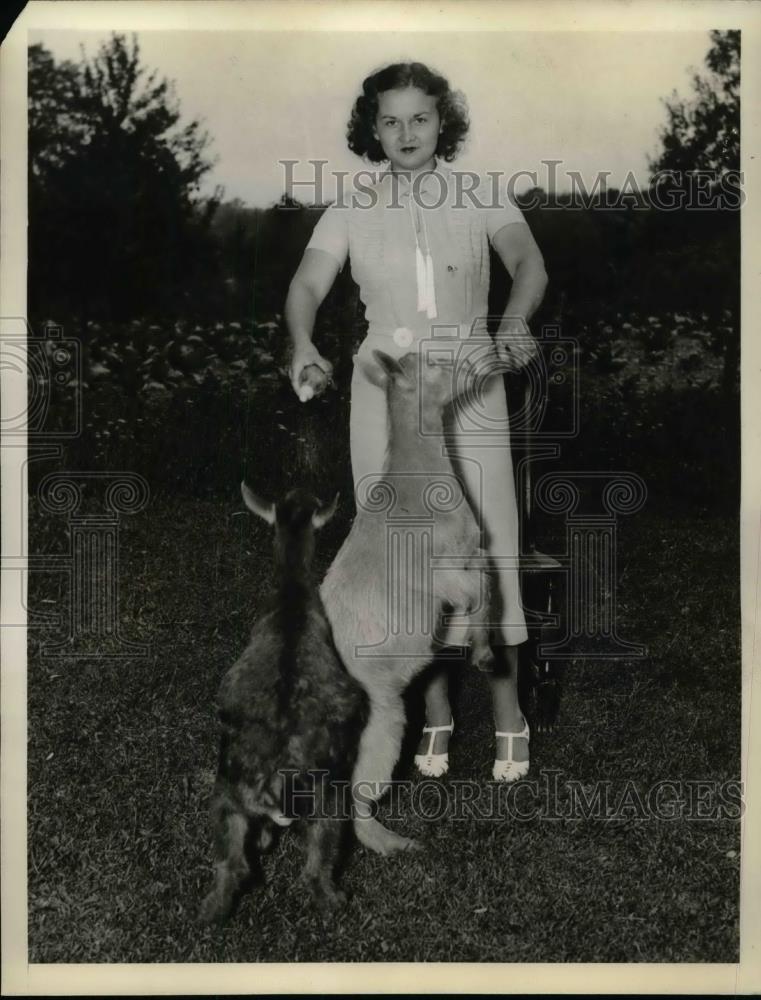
(523, 734)
(439, 729)
(433, 730)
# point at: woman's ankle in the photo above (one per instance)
(509, 720)
(512, 746)
(438, 742)
(441, 716)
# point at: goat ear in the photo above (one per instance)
(324, 514)
(390, 365)
(257, 505)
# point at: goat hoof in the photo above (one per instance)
(374, 835)
(213, 911)
(485, 661)
(330, 900)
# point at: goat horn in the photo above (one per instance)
(257, 505)
(324, 514)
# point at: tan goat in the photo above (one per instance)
(411, 558)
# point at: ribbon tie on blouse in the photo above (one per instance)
(426, 288)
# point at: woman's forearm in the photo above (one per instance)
(301, 307)
(515, 344)
(529, 285)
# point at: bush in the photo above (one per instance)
(194, 409)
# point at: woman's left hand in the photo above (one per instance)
(516, 348)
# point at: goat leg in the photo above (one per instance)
(379, 751)
(323, 843)
(482, 655)
(236, 865)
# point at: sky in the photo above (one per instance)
(592, 100)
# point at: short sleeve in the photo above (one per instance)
(501, 212)
(331, 233)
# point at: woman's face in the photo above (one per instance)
(407, 127)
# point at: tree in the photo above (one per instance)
(704, 133)
(700, 250)
(117, 224)
(55, 132)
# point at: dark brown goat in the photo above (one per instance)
(291, 720)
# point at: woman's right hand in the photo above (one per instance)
(304, 356)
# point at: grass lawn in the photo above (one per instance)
(121, 758)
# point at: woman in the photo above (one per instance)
(419, 268)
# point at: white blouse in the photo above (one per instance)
(419, 253)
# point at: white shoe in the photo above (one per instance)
(433, 765)
(510, 770)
